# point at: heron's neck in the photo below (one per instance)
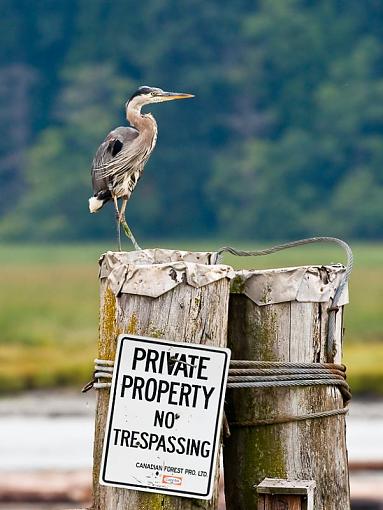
(140, 121)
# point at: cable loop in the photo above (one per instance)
(278, 420)
(334, 305)
(258, 374)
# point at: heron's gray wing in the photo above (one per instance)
(110, 147)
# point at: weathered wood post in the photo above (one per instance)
(162, 294)
(281, 315)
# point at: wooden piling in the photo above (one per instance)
(186, 312)
(294, 331)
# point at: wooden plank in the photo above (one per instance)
(282, 502)
(185, 313)
(282, 486)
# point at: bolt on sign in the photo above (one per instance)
(164, 419)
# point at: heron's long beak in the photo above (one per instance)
(169, 96)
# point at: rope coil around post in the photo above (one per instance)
(332, 310)
(263, 374)
(282, 374)
(279, 420)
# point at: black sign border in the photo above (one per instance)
(149, 340)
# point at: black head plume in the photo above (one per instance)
(143, 91)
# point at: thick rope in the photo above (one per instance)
(292, 377)
(285, 371)
(104, 362)
(331, 341)
(236, 363)
(298, 374)
(342, 385)
(276, 420)
(263, 374)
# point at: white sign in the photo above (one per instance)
(164, 419)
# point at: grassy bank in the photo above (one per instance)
(49, 309)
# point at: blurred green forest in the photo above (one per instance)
(283, 139)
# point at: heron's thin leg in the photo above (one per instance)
(118, 219)
(123, 208)
(129, 233)
(126, 227)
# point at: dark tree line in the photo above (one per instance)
(283, 139)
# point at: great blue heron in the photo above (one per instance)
(120, 159)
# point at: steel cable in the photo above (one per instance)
(298, 374)
(334, 307)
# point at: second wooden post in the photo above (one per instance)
(282, 316)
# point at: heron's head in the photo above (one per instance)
(148, 95)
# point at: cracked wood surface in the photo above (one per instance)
(198, 315)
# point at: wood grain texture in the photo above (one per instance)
(280, 502)
(197, 315)
(311, 450)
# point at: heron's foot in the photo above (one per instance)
(129, 234)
